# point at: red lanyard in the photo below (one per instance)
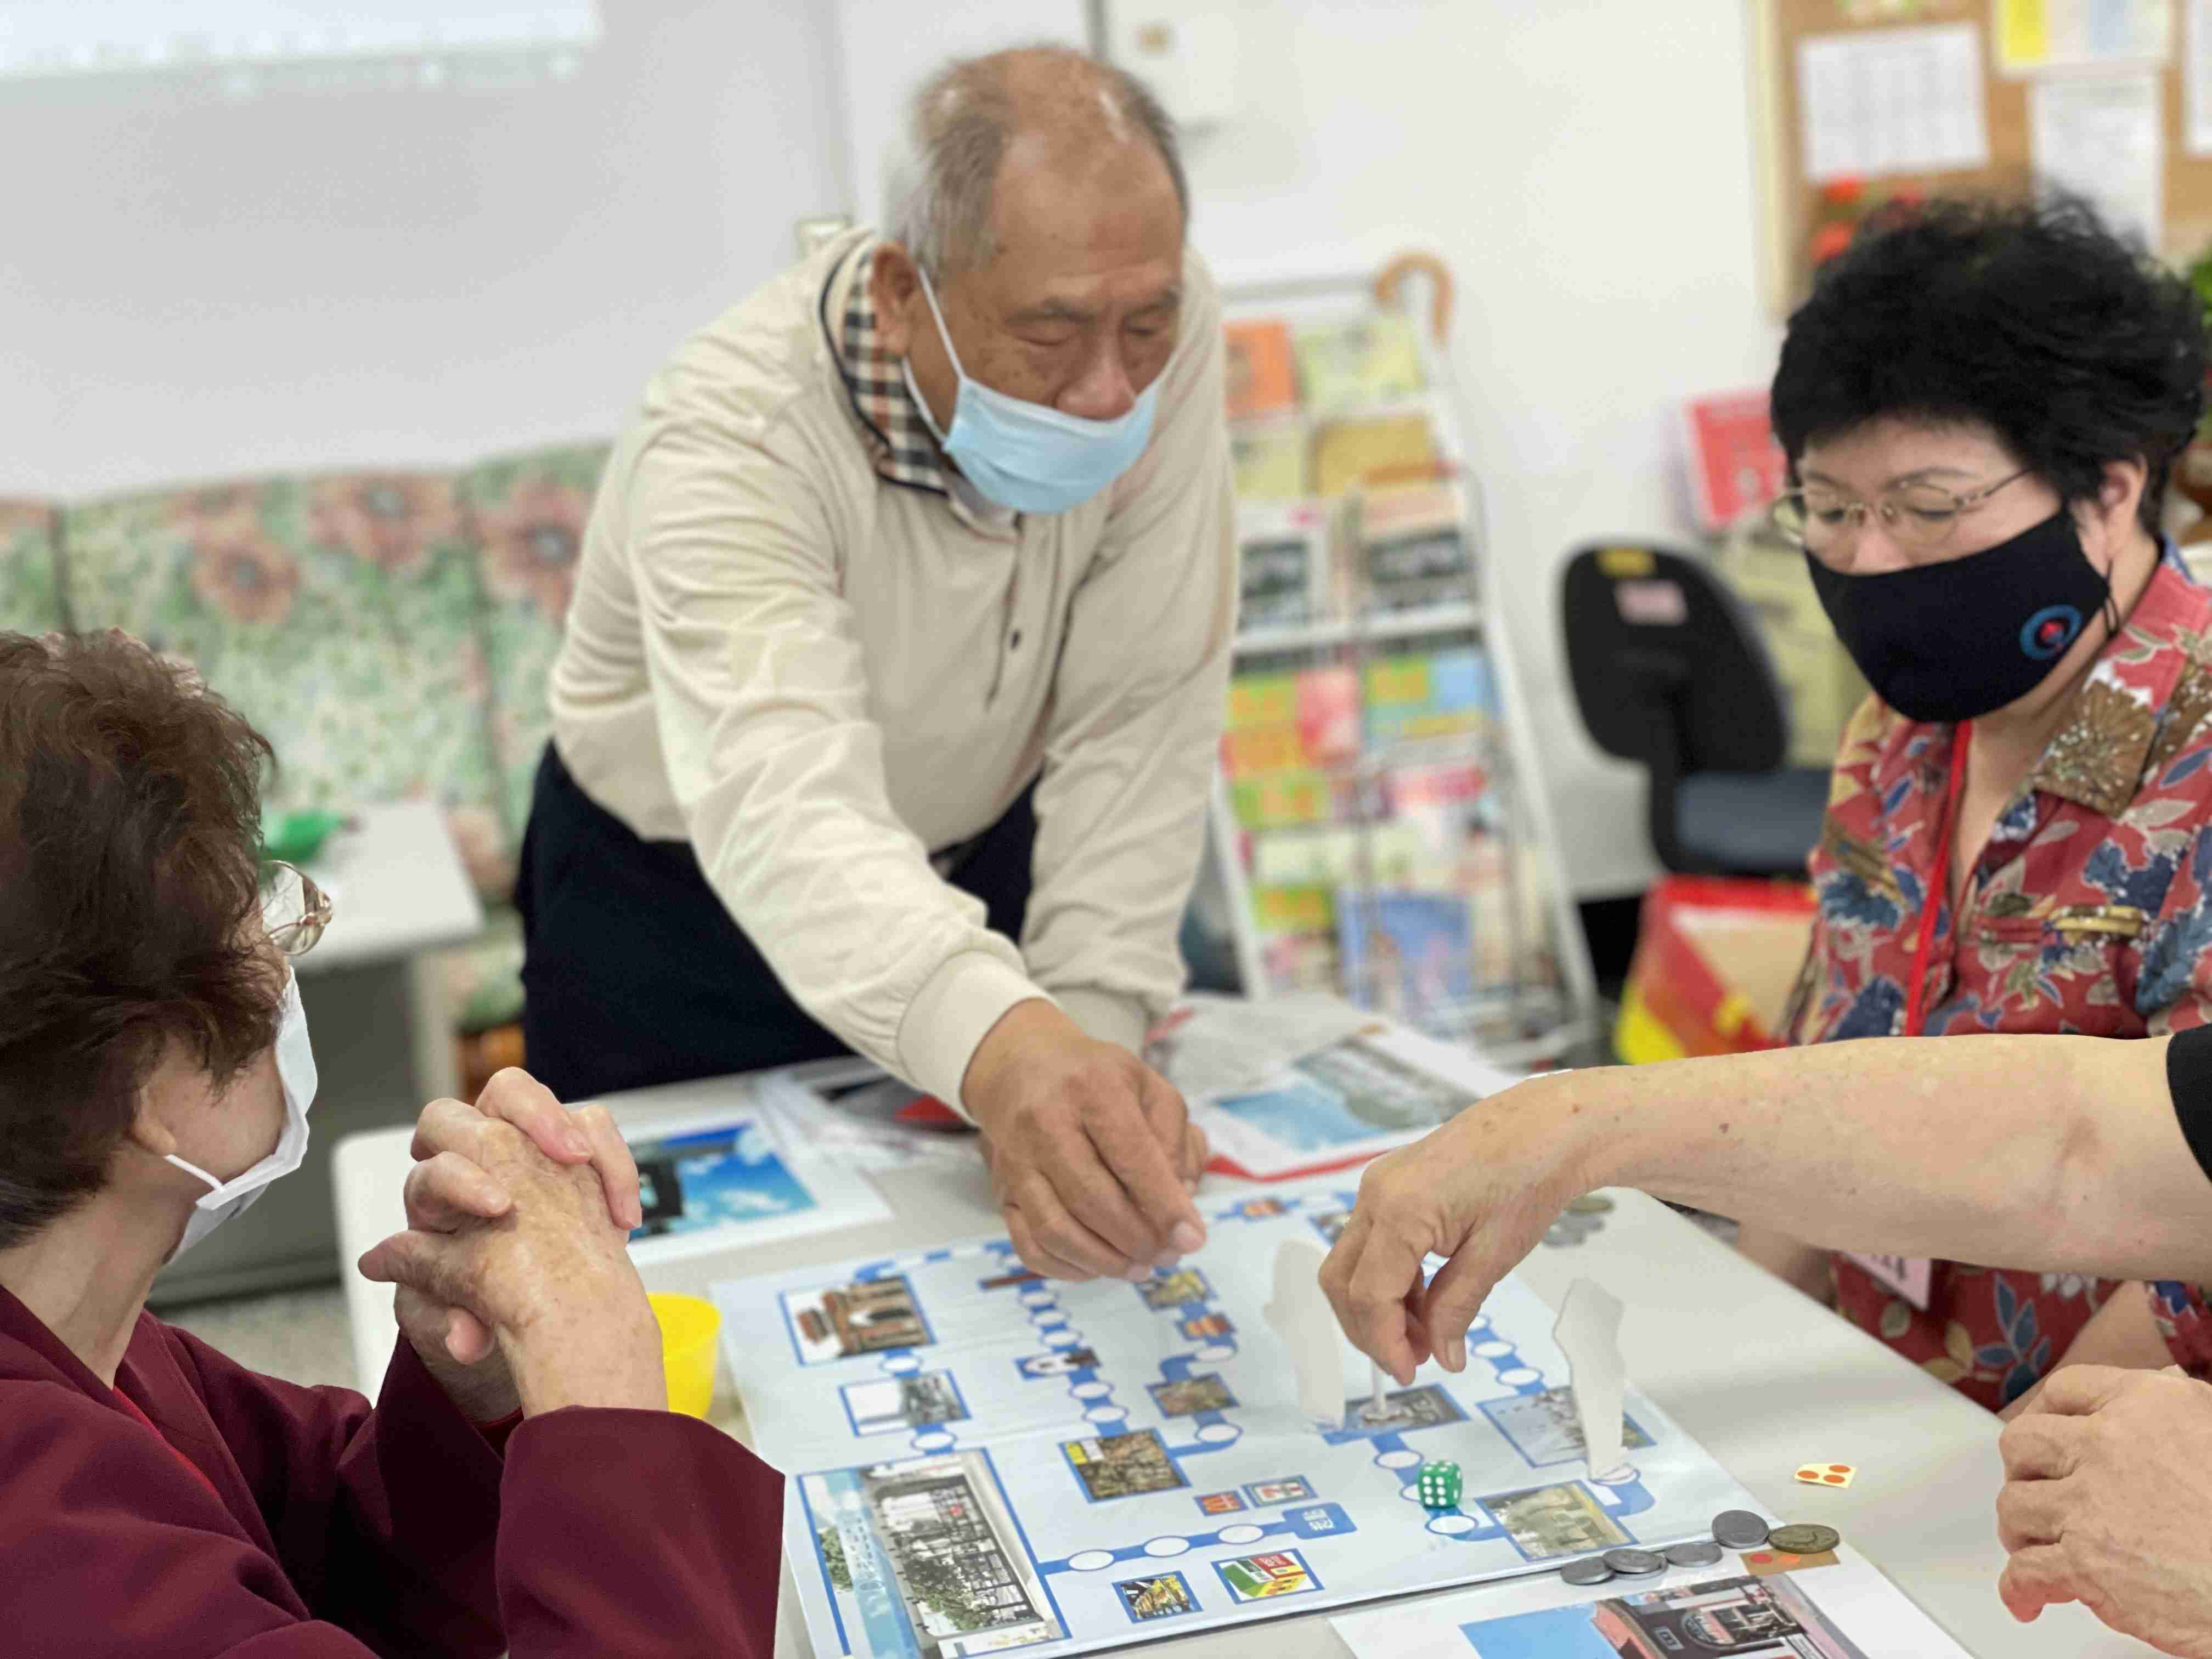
(1939, 882)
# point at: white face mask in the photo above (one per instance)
(295, 1074)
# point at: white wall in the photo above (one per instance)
(190, 287)
(1585, 168)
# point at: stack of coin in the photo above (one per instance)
(1590, 1570)
(1739, 1530)
(1636, 1564)
(1699, 1553)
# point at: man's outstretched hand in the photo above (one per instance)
(1092, 1152)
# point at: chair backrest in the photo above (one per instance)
(30, 591)
(1668, 665)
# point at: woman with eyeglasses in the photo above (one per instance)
(1980, 405)
(519, 1485)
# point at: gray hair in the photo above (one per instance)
(940, 184)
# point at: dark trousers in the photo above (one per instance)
(634, 973)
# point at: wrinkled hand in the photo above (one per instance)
(548, 1277)
(1479, 1190)
(588, 1136)
(1092, 1153)
(2108, 1479)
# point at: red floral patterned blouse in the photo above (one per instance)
(2089, 911)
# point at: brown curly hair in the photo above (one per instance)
(129, 829)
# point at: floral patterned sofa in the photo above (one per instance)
(391, 632)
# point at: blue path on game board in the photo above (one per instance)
(1307, 1521)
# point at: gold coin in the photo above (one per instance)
(1805, 1539)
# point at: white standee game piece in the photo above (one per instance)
(1298, 1313)
(1589, 1333)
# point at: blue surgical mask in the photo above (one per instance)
(1027, 456)
(295, 1075)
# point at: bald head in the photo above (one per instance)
(1066, 126)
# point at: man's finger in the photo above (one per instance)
(448, 1192)
(1035, 1256)
(2035, 1578)
(618, 1169)
(1146, 1184)
(2034, 1512)
(514, 1097)
(2039, 1448)
(1449, 1304)
(1195, 1152)
(1088, 1189)
(1061, 1233)
(1170, 1210)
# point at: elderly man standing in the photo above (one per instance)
(886, 711)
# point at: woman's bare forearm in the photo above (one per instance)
(2031, 1151)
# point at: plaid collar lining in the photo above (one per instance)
(906, 451)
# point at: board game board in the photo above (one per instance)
(984, 1460)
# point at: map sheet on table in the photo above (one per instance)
(983, 1461)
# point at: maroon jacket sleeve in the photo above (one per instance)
(645, 1533)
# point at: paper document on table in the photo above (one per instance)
(2035, 35)
(723, 1179)
(1382, 1087)
(1212, 1044)
(1892, 101)
(2103, 138)
(854, 1121)
(1843, 1609)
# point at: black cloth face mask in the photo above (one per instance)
(1958, 640)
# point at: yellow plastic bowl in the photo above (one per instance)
(688, 1325)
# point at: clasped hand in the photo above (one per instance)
(514, 1282)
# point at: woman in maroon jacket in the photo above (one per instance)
(519, 1483)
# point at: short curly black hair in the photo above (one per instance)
(2030, 319)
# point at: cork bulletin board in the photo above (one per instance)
(1793, 203)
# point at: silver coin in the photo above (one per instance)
(1589, 1203)
(1739, 1530)
(1590, 1570)
(1635, 1564)
(1695, 1554)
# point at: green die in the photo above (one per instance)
(1439, 1486)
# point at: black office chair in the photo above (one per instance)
(1669, 670)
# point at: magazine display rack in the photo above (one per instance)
(1375, 821)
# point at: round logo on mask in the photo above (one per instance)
(2050, 631)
